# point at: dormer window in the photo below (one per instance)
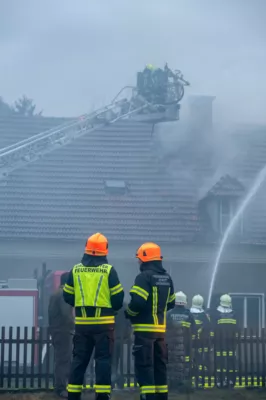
(227, 210)
(220, 205)
(115, 187)
(225, 213)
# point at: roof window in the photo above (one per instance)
(115, 187)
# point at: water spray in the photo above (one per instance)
(255, 187)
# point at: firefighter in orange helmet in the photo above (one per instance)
(151, 296)
(95, 291)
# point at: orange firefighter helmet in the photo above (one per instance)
(149, 252)
(97, 245)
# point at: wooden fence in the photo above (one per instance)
(26, 361)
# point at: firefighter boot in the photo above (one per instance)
(148, 396)
(102, 396)
(161, 396)
(74, 396)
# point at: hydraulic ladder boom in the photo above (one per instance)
(34, 147)
(30, 149)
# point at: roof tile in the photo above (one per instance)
(62, 195)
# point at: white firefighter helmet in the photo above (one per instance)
(197, 301)
(226, 301)
(180, 299)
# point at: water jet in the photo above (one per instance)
(230, 228)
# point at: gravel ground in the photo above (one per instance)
(199, 395)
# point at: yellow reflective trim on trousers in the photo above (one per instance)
(226, 321)
(94, 320)
(116, 289)
(161, 389)
(242, 385)
(224, 353)
(102, 388)
(148, 328)
(141, 292)
(206, 349)
(227, 353)
(155, 305)
(74, 388)
(147, 389)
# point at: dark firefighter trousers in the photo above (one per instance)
(202, 356)
(226, 360)
(86, 339)
(150, 365)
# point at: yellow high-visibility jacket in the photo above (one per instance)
(95, 291)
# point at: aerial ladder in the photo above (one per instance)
(140, 105)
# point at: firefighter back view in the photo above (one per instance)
(151, 296)
(203, 326)
(94, 289)
(225, 333)
(181, 330)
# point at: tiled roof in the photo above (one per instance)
(16, 128)
(227, 186)
(63, 194)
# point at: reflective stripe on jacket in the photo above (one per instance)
(151, 296)
(91, 286)
(224, 323)
(95, 292)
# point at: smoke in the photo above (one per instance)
(205, 150)
(68, 57)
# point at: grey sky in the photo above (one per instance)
(71, 56)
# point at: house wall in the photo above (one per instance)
(194, 278)
(23, 266)
(190, 267)
(19, 259)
